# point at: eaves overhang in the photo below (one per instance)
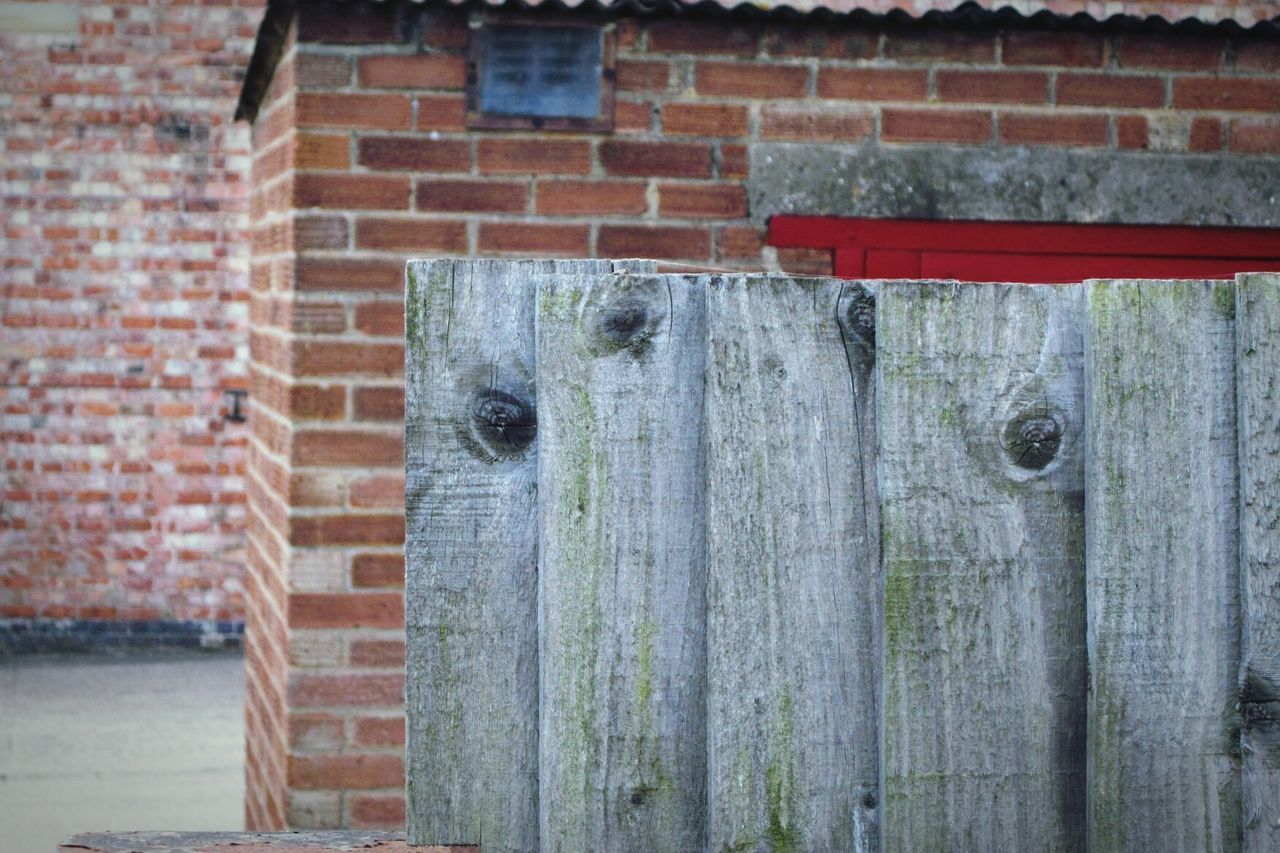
(1251, 18)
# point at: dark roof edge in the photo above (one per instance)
(274, 29)
(268, 47)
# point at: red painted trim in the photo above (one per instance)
(893, 263)
(850, 263)
(812, 232)
(1062, 268)
(1027, 251)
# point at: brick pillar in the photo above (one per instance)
(325, 640)
(267, 483)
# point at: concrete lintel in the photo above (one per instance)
(1013, 184)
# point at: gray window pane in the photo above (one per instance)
(547, 72)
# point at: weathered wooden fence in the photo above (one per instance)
(758, 562)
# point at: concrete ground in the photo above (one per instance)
(151, 741)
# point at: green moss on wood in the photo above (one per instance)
(411, 303)
(1102, 304)
(558, 302)
(645, 632)
(780, 783)
(581, 470)
(897, 604)
(1224, 299)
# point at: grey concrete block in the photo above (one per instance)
(1013, 184)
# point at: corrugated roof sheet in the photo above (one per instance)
(1245, 13)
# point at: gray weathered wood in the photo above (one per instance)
(622, 565)
(666, 623)
(1258, 398)
(981, 478)
(1161, 557)
(471, 548)
(793, 568)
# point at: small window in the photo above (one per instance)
(551, 76)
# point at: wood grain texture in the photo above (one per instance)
(793, 568)
(1258, 407)
(471, 549)
(765, 563)
(622, 569)
(981, 478)
(1162, 558)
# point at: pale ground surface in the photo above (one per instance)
(99, 743)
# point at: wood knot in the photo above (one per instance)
(773, 369)
(625, 315)
(1031, 438)
(499, 425)
(858, 317)
(621, 322)
(1259, 702)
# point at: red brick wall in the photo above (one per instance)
(267, 661)
(325, 638)
(363, 161)
(123, 311)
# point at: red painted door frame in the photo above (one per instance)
(1028, 252)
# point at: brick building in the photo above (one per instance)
(139, 287)
(123, 320)
(375, 141)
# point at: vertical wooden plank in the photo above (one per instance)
(1163, 580)
(1258, 399)
(622, 567)
(471, 551)
(793, 568)
(980, 424)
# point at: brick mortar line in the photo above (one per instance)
(267, 488)
(258, 670)
(278, 616)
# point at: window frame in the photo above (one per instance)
(480, 120)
